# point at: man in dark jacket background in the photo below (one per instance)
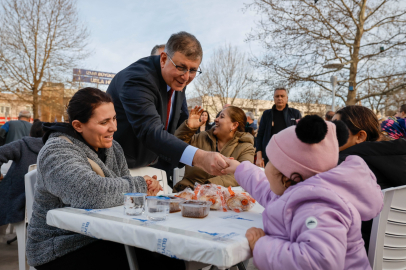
(273, 121)
(16, 129)
(148, 97)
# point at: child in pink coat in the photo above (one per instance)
(313, 208)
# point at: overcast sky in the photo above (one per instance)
(123, 31)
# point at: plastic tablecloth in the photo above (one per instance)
(218, 239)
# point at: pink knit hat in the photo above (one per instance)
(309, 148)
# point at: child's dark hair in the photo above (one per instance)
(36, 129)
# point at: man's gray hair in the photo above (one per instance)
(25, 114)
(156, 48)
(250, 115)
(281, 88)
(185, 43)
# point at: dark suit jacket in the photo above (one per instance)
(264, 132)
(140, 99)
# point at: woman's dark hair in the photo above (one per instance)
(238, 115)
(208, 117)
(36, 129)
(359, 118)
(84, 102)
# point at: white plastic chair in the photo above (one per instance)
(387, 246)
(178, 174)
(150, 171)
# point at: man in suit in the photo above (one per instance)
(148, 96)
(273, 121)
(184, 114)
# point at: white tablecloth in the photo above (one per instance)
(218, 239)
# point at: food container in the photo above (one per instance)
(195, 209)
(134, 203)
(174, 203)
(157, 208)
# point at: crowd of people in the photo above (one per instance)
(319, 180)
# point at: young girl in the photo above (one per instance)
(313, 209)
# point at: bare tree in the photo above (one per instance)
(367, 37)
(39, 40)
(226, 77)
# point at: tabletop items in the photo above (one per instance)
(134, 203)
(221, 198)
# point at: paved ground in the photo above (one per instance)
(9, 256)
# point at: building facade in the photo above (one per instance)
(215, 104)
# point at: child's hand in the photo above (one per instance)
(232, 166)
(253, 234)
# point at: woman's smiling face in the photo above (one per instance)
(223, 124)
(98, 131)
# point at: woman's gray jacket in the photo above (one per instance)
(66, 179)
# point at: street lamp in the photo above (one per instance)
(333, 79)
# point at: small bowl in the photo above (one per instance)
(195, 209)
(174, 203)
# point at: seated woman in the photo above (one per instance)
(66, 176)
(230, 136)
(205, 121)
(386, 159)
(23, 153)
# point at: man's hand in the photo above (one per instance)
(260, 162)
(153, 185)
(194, 117)
(253, 234)
(212, 162)
(232, 166)
(1, 177)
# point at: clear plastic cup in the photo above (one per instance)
(157, 208)
(134, 203)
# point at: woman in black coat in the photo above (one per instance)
(205, 118)
(386, 159)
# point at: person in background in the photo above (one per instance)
(148, 97)
(205, 122)
(329, 116)
(386, 159)
(273, 121)
(16, 129)
(394, 128)
(81, 166)
(230, 137)
(251, 120)
(184, 114)
(23, 153)
(158, 49)
(313, 208)
(401, 113)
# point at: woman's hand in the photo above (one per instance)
(232, 166)
(153, 185)
(253, 234)
(194, 117)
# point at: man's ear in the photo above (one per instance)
(163, 59)
(361, 136)
(77, 125)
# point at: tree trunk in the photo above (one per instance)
(352, 94)
(35, 105)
